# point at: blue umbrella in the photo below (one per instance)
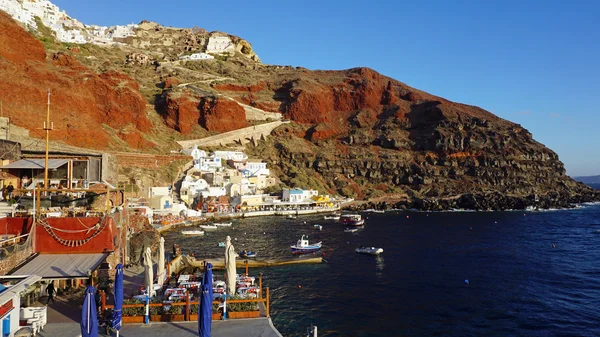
(205, 305)
(89, 317)
(118, 309)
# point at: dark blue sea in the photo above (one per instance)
(518, 283)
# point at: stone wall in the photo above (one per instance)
(147, 160)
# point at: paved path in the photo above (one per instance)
(258, 327)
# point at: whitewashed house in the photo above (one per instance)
(235, 156)
(257, 169)
(218, 44)
(196, 57)
(298, 195)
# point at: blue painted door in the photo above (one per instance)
(6, 326)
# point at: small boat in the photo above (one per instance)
(247, 254)
(222, 224)
(208, 227)
(331, 217)
(304, 247)
(193, 232)
(292, 216)
(318, 227)
(352, 220)
(221, 244)
(369, 250)
(350, 230)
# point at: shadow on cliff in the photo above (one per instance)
(424, 118)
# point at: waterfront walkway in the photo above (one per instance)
(256, 327)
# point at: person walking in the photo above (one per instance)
(50, 289)
(9, 189)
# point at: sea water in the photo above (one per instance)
(446, 274)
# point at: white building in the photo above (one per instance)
(256, 169)
(219, 44)
(65, 28)
(196, 57)
(236, 156)
(298, 195)
(158, 191)
(213, 192)
(10, 303)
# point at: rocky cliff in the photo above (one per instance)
(356, 132)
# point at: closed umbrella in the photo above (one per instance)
(230, 266)
(118, 309)
(161, 262)
(205, 304)
(149, 272)
(149, 281)
(89, 317)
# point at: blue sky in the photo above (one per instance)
(536, 63)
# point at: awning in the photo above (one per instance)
(61, 266)
(35, 164)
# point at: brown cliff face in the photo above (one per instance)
(81, 100)
(183, 110)
(362, 128)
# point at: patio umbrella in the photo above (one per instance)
(230, 266)
(89, 317)
(205, 311)
(149, 274)
(205, 304)
(161, 262)
(118, 309)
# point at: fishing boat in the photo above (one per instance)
(350, 230)
(247, 254)
(352, 220)
(222, 224)
(304, 247)
(193, 232)
(318, 227)
(208, 227)
(369, 250)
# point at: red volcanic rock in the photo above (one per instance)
(181, 112)
(217, 114)
(135, 139)
(81, 100)
(260, 86)
(12, 46)
(171, 82)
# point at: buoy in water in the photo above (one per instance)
(299, 287)
(553, 246)
(466, 281)
(407, 216)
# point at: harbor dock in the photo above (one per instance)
(257, 327)
(188, 261)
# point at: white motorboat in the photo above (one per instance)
(369, 250)
(350, 230)
(352, 220)
(208, 227)
(372, 210)
(331, 217)
(222, 224)
(304, 247)
(318, 227)
(292, 216)
(193, 232)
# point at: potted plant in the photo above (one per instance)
(135, 314)
(167, 312)
(242, 310)
(216, 312)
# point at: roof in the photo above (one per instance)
(37, 163)
(61, 266)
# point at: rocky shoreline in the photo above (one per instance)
(492, 201)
